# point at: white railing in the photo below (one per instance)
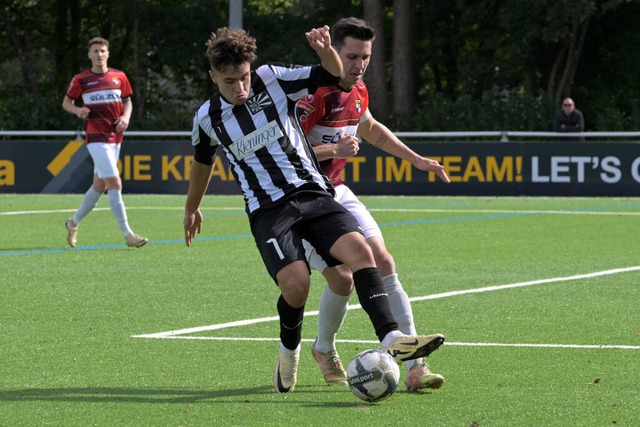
(503, 136)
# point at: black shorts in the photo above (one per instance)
(315, 217)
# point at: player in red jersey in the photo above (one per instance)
(106, 108)
(331, 118)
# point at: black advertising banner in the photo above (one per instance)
(557, 168)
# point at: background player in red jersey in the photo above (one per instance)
(332, 117)
(106, 98)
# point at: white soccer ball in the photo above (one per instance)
(373, 375)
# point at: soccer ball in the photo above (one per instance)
(373, 375)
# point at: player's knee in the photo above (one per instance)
(99, 186)
(294, 288)
(385, 263)
(340, 280)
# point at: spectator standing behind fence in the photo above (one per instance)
(106, 107)
(569, 119)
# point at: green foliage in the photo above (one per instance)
(481, 65)
(28, 113)
(497, 109)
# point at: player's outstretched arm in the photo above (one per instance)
(380, 136)
(320, 40)
(198, 183)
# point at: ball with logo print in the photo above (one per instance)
(373, 375)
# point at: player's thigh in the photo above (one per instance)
(278, 237)
(325, 222)
(350, 201)
(353, 250)
(105, 159)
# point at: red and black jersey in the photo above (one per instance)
(330, 113)
(103, 95)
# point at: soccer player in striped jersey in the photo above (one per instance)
(252, 120)
(332, 117)
(106, 107)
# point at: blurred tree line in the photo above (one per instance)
(454, 65)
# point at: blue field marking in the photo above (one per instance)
(464, 218)
(386, 224)
(243, 236)
(120, 245)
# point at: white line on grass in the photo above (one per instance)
(507, 211)
(241, 208)
(459, 344)
(149, 208)
(180, 333)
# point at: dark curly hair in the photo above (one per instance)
(351, 27)
(230, 47)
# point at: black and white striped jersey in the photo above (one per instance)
(269, 155)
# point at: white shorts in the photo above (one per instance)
(105, 158)
(369, 226)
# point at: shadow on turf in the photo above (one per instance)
(136, 395)
(151, 395)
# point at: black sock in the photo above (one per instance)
(290, 324)
(374, 300)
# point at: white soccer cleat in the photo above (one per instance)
(135, 241)
(414, 347)
(72, 232)
(285, 375)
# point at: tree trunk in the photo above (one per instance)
(573, 57)
(138, 92)
(567, 60)
(404, 75)
(29, 79)
(376, 75)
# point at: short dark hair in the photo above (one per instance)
(98, 40)
(351, 27)
(230, 47)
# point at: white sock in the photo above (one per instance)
(331, 313)
(400, 308)
(287, 351)
(89, 202)
(388, 339)
(119, 212)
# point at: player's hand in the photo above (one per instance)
(83, 113)
(425, 164)
(319, 38)
(192, 224)
(121, 124)
(347, 146)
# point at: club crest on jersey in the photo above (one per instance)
(358, 105)
(259, 102)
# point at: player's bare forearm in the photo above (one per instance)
(320, 40)
(69, 105)
(331, 61)
(198, 183)
(380, 136)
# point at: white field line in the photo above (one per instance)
(241, 208)
(180, 333)
(509, 211)
(448, 343)
(150, 208)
